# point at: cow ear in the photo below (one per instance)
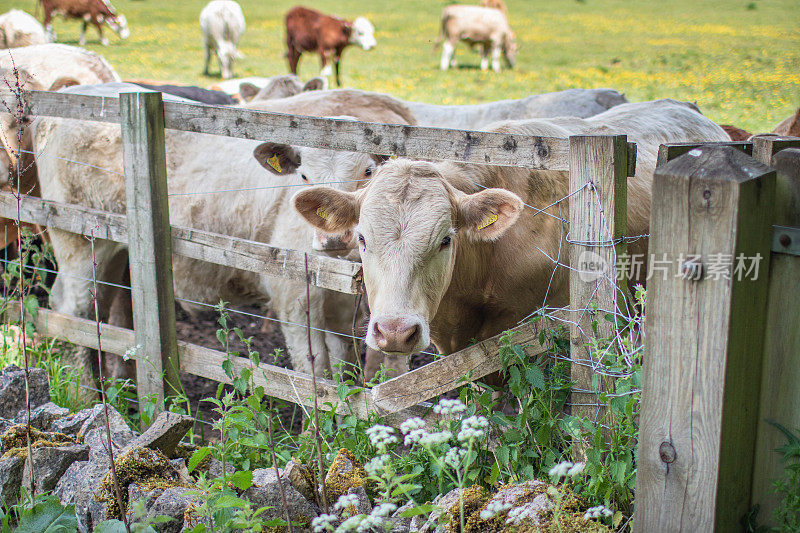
(487, 214)
(316, 84)
(277, 158)
(329, 210)
(247, 91)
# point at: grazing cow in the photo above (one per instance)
(484, 26)
(18, 28)
(204, 96)
(572, 102)
(98, 12)
(222, 22)
(200, 164)
(308, 30)
(449, 251)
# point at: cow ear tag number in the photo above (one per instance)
(274, 163)
(322, 214)
(488, 221)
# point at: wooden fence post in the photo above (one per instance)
(780, 382)
(598, 219)
(149, 243)
(705, 332)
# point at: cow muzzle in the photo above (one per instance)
(398, 336)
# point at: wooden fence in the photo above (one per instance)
(705, 453)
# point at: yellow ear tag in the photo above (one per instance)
(322, 214)
(393, 157)
(274, 163)
(488, 221)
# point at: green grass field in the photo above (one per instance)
(738, 59)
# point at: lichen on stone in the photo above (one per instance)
(149, 469)
(344, 474)
(15, 441)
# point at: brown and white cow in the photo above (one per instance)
(449, 251)
(477, 25)
(308, 30)
(97, 12)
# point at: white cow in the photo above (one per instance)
(18, 28)
(199, 165)
(222, 22)
(47, 63)
(450, 252)
(569, 103)
(476, 25)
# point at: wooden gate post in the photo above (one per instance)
(705, 331)
(598, 219)
(149, 243)
(780, 382)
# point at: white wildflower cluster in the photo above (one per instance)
(597, 512)
(473, 427)
(383, 509)
(351, 524)
(518, 514)
(377, 465)
(345, 501)
(566, 469)
(131, 352)
(435, 439)
(323, 522)
(454, 457)
(414, 430)
(449, 407)
(381, 436)
(495, 508)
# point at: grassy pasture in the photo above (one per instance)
(738, 59)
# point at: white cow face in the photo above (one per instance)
(363, 33)
(227, 53)
(409, 223)
(344, 171)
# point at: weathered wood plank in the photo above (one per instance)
(278, 382)
(144, 157)
(326, 272)
(443, 375)
(704, 342)
(668, 152)
(386, 139)
(598, 218)
(780, 381)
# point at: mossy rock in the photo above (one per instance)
(344, 474)
(149, 469)
(15, 441)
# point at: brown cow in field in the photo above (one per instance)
(308, 30)
(476, 25)
(95, 11)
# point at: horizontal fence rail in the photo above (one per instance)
(326, 272)
(543, 153)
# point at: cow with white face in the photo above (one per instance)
(448, 250)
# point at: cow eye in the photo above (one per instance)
(445, 242)
(304, 178)
(362, 242)
(368, 172)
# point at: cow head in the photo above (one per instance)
(510, 49)
(281, 87)
(119, 24)
(363, 33)
(409, 223)
(344, 171)
(227, 53)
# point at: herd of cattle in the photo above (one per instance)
(222, 23)
(450, 251)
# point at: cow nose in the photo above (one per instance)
(397, 336)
